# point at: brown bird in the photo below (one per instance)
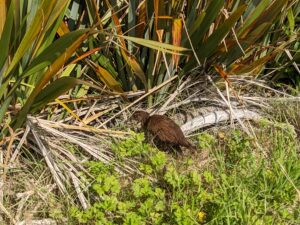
(163, 128)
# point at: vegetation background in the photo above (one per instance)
(71, 73)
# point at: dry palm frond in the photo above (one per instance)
(51, 163)
(67, 165)
(215, 118)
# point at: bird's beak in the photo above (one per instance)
(132, 120)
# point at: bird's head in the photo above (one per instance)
(140, 116)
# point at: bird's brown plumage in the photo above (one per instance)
(163, 128)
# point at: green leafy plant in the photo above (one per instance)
(144, 199)
(206, 140)
(242, 185)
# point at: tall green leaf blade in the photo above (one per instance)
(208, 47)
(235, 52)
(192, 14)
(291, 20)
(34, 30)
(267, 16)
(53, 25)
(255, 14)
(254, 31)
(54, 90)
(156, 45)
(4, 107)
(6, 34)
(50, 54)
(211, 13)
(197, 23)
(47, 75)
(47, 37)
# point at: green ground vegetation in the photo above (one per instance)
(245, 181)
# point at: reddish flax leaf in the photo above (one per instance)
(88, 53)
(256, 65)
(267, 16)
(176, 35)
(160, 34)
(63, 29)
(222, 73)
(2, 14)
(141, 19)
(106, 77)
(225, 77)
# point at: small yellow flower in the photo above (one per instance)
(201, 216)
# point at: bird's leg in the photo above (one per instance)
(176, 149)
(152, 139)
(149, 138)
(146, 134)
(155, 142)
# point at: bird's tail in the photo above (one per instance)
(188, 145)
(193, 147)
